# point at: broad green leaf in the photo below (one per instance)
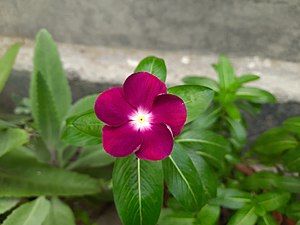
(7, 204)
(293, 211)
(79, 137)
(233, 111)
(245, 78)
(244, 216)
(232, 198)
(196, 98)
(208, 215)
(31, 213)
(12, 138)
(291, 159)
(267, 219)
(138, 190)
(93, 156)
(89, 124)
(44, 111)
(238, 133)
(291, 184)
(75, 137)
(60, 214)
(183, 179)
(202, 81)
(274, 142)
(261, 180)
(255, 95)
(47, 63)
(154, 66)
(225, 72)
(169, 217)
(206, 119)
(208, 178)
(268, 180)
(292, 124)
(5, 125)
(211, 146)
(82, 105)
(273, 200)
(23, 176)
(7, 62)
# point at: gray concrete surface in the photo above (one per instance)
(105, 65)
(267, 28)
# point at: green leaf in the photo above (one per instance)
(293, 211)
(255, 95)
(233, 111)
(138, 190)
(169, 217)
(89, 124)
(232, 198)
(225, 72)
(32, 213)
(208, 178)
(154, 66)
(273, 200)
(208, 215)
(93, 156)
(292, 124)
(12, 138)
(4, 125)
(7, 204)
(183, 179)
(82, 105)
(202, 81)
(291, 159)
(244, 216)
(83, 130)
(267, 219)
(23, 176)
(44, 111)
(238, 133)
(206, 119)
(209, 145)
(196, 98)
(75, 137)
(7, 62)
(60, 214)
(245, 78)
(261, 180)
(274, 142)
(47, 63)
(268, 180)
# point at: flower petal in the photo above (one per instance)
(112, 108)
(121, 141)
(171, 110)
(141, 88)
(157, 143)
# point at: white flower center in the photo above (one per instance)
(141, 119)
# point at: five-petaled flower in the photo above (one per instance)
(140, 118)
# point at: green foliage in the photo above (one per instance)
(197, 99)
(208, 215)
(138, 190)
(154, 66)
(244, 216)
(22, 176)
(7, 204)
(184, 180)
(31, 213)
(12, 138)
(6, 64)
(59, 214)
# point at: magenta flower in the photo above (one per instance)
(141, 118)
